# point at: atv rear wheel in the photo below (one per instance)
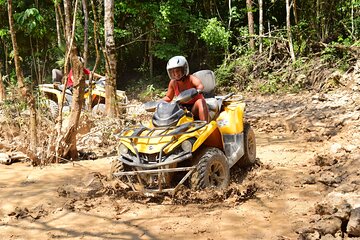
(212, 170)
(249, 157)
(98, 109)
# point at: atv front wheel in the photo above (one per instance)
(249, 157)
(116, 166)
(53, 108)
(212, 170)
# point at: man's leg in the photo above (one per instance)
(200, 109)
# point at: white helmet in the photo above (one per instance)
(177, 62)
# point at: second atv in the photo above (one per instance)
(174, 149)
(53, 95)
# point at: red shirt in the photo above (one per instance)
(188, 84)
(70, 82)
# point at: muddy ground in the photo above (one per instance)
(305, 185)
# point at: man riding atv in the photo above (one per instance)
(180, 80)
(175, 148)
(57, 75)
(53, 93)
(86, 72)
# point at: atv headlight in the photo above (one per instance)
(186, 145)
(122, 149)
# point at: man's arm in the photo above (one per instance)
(170, 93)
(96, 75)
(196, 82)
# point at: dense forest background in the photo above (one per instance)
(212, 34)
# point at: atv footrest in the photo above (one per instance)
(160, 189)
(152, 171)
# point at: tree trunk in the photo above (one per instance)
(95, 26)
(110, 57)
(288, 27)
(230, 15)
(352, 19)
(86, 31)
(261, 25)
(317, 20)
(2, 89)
(151, 59)
(7, 72)
(66, 142)
(20, 78)
(57, 25)
(250, 23)
(295, 8)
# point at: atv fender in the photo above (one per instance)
(56, 92)
(210, 136)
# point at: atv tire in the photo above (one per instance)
(98, 109)
(53, 108)
(212, 170)
(116, 166)
(249, 157)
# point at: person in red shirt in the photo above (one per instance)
(180, 80)
(86, 71)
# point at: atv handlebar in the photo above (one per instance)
(183, 97)
(186, 95)
(151, 106)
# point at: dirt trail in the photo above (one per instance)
(53, 202)
(276, 211)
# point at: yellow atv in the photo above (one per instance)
(174, 149)
(53, 95)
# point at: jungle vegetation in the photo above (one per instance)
(259, 46)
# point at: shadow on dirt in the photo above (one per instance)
(58, 231)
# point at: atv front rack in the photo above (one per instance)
(163, 163)
(160, 188)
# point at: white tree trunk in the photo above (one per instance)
(288, 27)
(261, 25)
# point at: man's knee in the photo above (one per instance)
(200, 103)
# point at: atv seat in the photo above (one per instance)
(213, 106)
(207, 78)
(57, 75)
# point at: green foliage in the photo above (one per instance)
(165, 51)
(225, 73)
(121, 33)
(231, 71)
(196, 29)
(215, 35)
(31, 21)
(4, 32)
(272, 85)
(150, 93)
(14, 106)
(154, 89)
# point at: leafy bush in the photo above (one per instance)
(151, 93)
(215, 35)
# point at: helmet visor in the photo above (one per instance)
(176, 73)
